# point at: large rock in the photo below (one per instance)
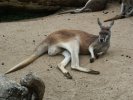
(30, 88)
(10, 90)
(40, 5)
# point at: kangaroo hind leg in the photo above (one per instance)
(62, 65)
(73, 48)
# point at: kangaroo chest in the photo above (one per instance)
(101, 47)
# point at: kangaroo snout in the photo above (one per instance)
(101, 40)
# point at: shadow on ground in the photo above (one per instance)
(13, 15)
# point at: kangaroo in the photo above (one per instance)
(126, 10)
(71, 43)
(90, 6)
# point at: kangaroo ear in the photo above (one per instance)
(112, 23)
(99, 23)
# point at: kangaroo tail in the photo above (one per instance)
(42, 48)
(115, 18)
(23, 63)
(64, 12)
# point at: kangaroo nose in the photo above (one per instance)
(101, 40)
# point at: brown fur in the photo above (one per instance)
(66, 35)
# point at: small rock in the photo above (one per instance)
(59, 86)
(122, 55)
(127, 56)
(34, 41)
(50, 66)
(3, 35)
(2, 63)
(105, 12)
(112, 11)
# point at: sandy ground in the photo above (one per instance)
(116, 79)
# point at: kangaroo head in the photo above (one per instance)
(105, 31)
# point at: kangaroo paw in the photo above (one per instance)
(94, 72)
(67, 75)
(92, 60)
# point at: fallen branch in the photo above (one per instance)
(115, 18)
